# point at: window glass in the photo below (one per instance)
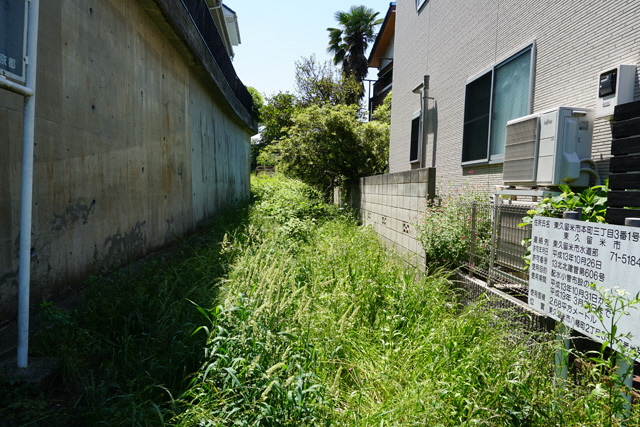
(491, 100)
(510, 97)
(476, 119)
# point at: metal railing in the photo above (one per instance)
(496, 251)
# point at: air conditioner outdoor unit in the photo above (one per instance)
(548, 148)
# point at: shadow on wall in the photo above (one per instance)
(432, 128)
(430, 143)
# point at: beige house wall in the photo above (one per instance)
(134, 144)
(455, 40)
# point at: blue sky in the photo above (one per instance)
(275, 34)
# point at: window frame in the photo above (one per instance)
(417, 115)
(498, 158)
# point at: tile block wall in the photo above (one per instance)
(391, 204)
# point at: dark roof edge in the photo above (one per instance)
(390, 11)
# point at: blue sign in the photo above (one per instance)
(13, 38)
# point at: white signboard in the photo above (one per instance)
(13, 37)
(567, 256)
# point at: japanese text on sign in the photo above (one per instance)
(567, 256)
(13, 35)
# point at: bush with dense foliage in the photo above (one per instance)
(328, 145)
(592, 202)
(445, 227)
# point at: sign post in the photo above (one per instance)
(18, 59)
(569, 256)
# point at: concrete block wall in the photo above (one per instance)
(391, 204)
(455, 40)
(136, 140)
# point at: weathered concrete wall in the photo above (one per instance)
(218, 171)
(455, 40)
(134, 144)
(391, 204)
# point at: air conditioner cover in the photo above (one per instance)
(548, 147)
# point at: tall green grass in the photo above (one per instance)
(298, 316)
(129, 346)
(336, 330)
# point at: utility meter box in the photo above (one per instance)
(615, 86)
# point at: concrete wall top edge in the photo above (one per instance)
(174, 19)
(403, 177)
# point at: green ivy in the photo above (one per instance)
(591, 201)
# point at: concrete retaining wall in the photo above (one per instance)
(391, 204)
(136, 141)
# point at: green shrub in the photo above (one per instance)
(327, 145)
(266, 158)
(445, 227)
(591, 201)
(289, 206)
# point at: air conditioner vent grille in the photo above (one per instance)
(520, 152)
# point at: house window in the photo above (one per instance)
(414, 150)
(491, 100)
(419, 3)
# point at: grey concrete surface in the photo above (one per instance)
(135, 143)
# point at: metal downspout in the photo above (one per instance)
(26, 198)
(424, 125)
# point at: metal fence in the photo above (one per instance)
(496, 250)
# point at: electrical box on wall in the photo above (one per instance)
(615, 86)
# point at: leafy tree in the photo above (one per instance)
(320, 83)
(276, 117)
(328, 145)
(257, 104)
(349, 42)
(382, 113)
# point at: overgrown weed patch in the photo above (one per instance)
(300, 317)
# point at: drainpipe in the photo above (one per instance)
(425, 110)
(26, 198)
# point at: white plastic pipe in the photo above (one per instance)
(14, 87)
(26, 198)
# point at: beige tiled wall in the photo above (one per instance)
(455, 40)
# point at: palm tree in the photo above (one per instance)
(349, 42)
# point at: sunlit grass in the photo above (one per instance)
(297, 316)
